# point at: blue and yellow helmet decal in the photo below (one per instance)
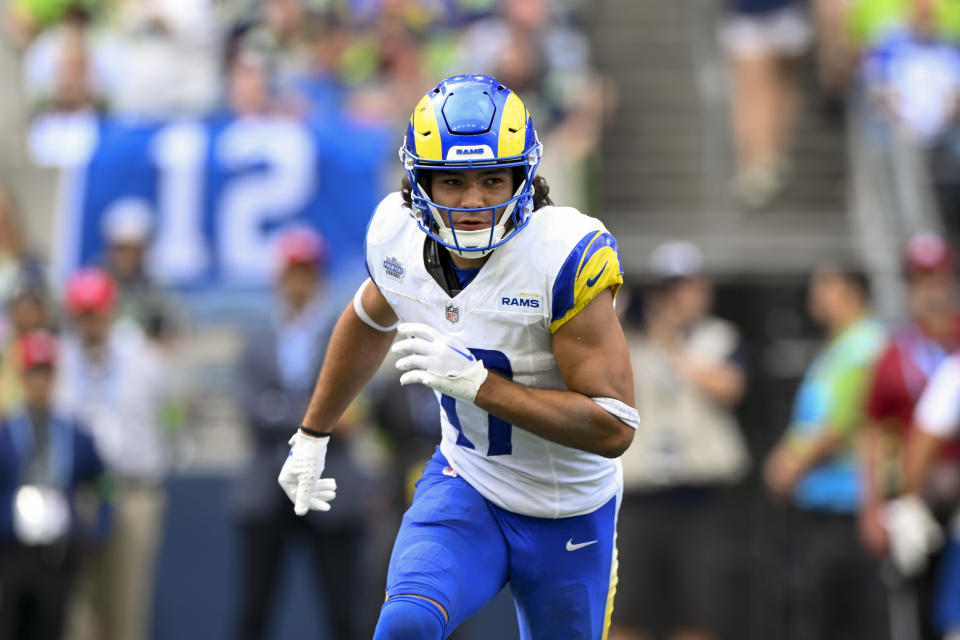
(470, 122)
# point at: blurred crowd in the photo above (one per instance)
(91, 412)
(87, 414)
(859, 489)
(860, 497)
(897, 59)
(318, 60)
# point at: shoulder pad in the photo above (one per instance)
(390, 216)
(582, 259)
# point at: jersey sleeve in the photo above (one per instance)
(589, 269)
(884, 395)
(938, 412)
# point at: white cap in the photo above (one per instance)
(127, 221)
(676, 259)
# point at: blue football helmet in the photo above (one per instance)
(471, 122)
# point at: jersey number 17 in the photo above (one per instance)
(498, 430)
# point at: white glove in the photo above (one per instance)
(438, 361)
(300, 475)
(914, 534)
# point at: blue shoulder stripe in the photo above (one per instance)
(565, 286)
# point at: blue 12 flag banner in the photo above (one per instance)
(221, 190)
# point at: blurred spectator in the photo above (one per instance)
(872, 21)
(126, 228)
(19, 267)
(527, 44)
(401, 73)
(277, 37)
(911, 75)
(67, 68)
(27, 311)
(168, 56)
(249, 91)
(409, 418)
(688, 376)
(48, 507)
(22, 309)
(389, 57)
(913, 531)
(833, 588)
(114, 380)
(530, 47)
(914, 75)
(763, 38)
(65, 84)
(26, 18)
(280, 361)
(321, 85)
(912, 353)
(836, 53)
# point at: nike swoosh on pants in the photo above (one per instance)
(579, 545)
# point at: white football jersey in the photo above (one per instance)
(938, 411)
(527, 289)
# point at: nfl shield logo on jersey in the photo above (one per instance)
(453, 313)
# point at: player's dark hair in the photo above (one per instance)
(541, 190)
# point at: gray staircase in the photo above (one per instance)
(668, 157)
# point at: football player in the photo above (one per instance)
(505, 309)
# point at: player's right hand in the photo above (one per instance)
(300, 475)
(437, 360)
(914, 533)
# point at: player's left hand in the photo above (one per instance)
(439, 361)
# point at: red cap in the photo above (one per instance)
(37, 349)
(301, 246)
(90, 289)
(928, 252)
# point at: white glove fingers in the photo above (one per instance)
(320, 504)
(412, 362)
(324, 491)
(301, 503)
(411, 346)
(417, 330)
(325, 484)
(300, 476)
(417, 376)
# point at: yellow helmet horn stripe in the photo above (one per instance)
(513, 130)
(425, 131)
